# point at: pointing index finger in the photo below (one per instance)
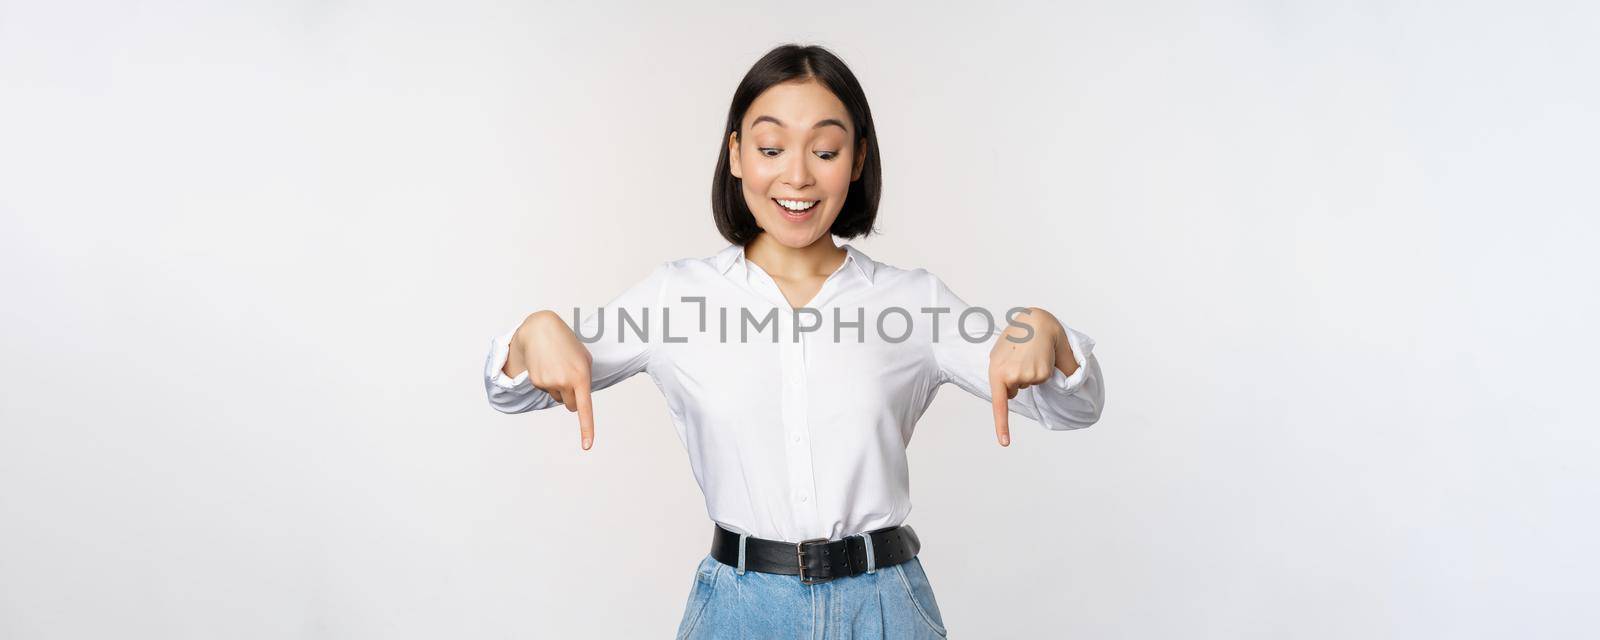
(585, 413)
(1002, 422)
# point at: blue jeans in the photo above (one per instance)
(892, 602)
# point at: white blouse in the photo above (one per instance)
(748, 409)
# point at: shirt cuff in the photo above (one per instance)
(1081, 346)
(495, 370)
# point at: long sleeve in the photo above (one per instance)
(617, 355)
(1063, 402)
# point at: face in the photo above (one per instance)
(798, 149)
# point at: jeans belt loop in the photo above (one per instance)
(872, 560)
(742, 538)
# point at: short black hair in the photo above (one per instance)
(787, 63)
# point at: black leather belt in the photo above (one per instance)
(818, 559)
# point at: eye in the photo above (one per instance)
(825, 155)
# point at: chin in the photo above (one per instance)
(795, 238)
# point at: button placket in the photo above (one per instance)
(795, 417)
(795, 422)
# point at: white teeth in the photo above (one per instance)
(797, 205)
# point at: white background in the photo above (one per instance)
(1338, 261)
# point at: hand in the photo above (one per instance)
(557, 363)
(1014, 366)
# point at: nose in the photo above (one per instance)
(797, 174)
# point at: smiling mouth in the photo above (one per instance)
(796, 209)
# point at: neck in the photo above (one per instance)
(820, 258)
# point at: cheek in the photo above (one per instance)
(836, 178)
(758, 175)
(756, 185)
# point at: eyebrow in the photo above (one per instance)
(820, 123)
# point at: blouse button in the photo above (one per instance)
(803, 498)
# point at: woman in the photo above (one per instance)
(795, 370)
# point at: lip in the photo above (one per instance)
(795, 217)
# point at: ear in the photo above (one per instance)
(733, 155)
(861, 160)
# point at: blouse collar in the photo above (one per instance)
(734, 254)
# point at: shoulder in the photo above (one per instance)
(919, 280)
(676, 273)
(916, 279)
(716, 261)
(893, 275)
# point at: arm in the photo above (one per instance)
(1060, 402)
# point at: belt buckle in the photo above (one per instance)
(800, 555)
